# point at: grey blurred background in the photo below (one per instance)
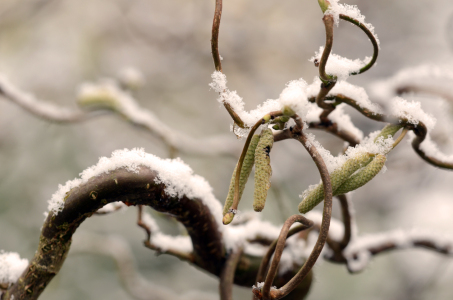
(49, 47)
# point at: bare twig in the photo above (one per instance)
(215, 35)
(143, 224)
(327, 214)
(276, 248)
(142, 118)
(227, 274)
(328, 23)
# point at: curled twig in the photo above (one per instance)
(276, 248)
(324, 230)
(372, 39)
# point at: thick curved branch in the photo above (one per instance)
(132, 188)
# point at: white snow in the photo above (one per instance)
(108, 94)
(31, 103)
(352, 11)
(340, 66)
(165, 241)
(346, 89)
(431, 149)
(411, 111)
(431, 76)
(402, 239)
(174, 173)
(11, 267)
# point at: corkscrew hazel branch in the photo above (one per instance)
(372, 39)
(420, 130)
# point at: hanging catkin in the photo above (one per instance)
(337, 178)
(389, 129)
(247, 166)
(362, 176)
(263, 170)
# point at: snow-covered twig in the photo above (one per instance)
(359, 252)
(108, 95)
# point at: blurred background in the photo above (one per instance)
(49, 47)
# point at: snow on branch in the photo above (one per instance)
(361, 249)
(340, 66)
(352, 11)
(11, 267)
(42, 109)
(109, 95)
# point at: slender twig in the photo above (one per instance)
(134, 114)
(173, 252)
(328, 23)
(346, 216)
(285, 233)
(143, 224)
(372, 39)
(277, 248)
(333, 129)
(327, 214)
(227, 274)
(424, 90)
(420, 130)
(400, 138)
(215, 35)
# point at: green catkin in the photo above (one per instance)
(263, 170)
(247, 166)
(362, 176)
(337, 178)
(389, 129)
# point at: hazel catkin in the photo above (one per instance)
(363, 175)
(337, 178)
(247, 166)
(263, 170)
